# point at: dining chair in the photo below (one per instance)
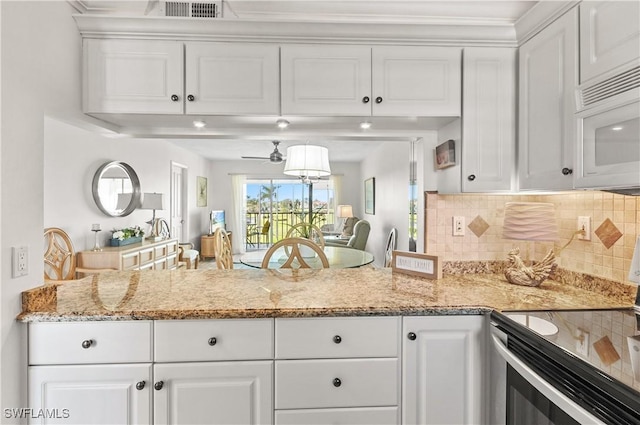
(307, 231)
(295, 258)
(392, 244)
(60, 257)
(187, 255)
(224, 257)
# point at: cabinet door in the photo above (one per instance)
(326, 80)
(488, 119)
(609, 37)
(548, 78)
(442, 372)
(232, 79)
(416, 81)
(213, 393)
(133, 76)
(91, 394)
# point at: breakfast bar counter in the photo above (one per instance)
(219, 294)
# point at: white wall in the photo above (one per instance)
(71, 157)
(40, 74)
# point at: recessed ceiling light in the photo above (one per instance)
(365, 125)
(618, 128)
(199, 124)
(282, 123)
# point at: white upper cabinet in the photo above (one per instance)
(133, 76)
(609, 37)
(232, 78)
(488, 119)
(365, 81)
(148, 76)
(548, 79)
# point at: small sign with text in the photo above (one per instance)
(415, 264)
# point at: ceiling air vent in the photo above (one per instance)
(193, 9)
(589, 95)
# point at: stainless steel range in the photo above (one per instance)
(570, 367)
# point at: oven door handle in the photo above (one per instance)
(563, 402)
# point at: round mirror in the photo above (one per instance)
(116, 189)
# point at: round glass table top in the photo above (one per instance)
(339, 258)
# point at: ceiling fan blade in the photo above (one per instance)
(255, 157)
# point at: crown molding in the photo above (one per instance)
(540, 16)
(434, 32)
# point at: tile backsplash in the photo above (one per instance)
(615, 224)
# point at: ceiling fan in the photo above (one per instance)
(275, 157)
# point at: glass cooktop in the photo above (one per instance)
(609, 340)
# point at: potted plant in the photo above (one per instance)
(308, 229)
(126, 236)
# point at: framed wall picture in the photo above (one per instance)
(445, 155)
(201, 191)
(370, 196)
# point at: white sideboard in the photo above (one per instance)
(160, 255)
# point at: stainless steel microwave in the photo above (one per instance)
(608, 149)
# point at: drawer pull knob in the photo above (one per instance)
(378, 99)
(140, 385)
(337, 382)
(175, 98)
(365, 99)
(471, 177)
(412, 336)
(191, 98)
(158, 385)
(567, 171)
(212, 341)
(337, 339)
(87, 343)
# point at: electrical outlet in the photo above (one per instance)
(458, 226)
(584, 223)
(20, 261)
(582, 342)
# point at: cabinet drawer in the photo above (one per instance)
(337, 337)
(362, 382)
(172, 248)
(146, 256)
(161, 251)
(349, 416)
(131, 261)
(202, 340)
(107, 342)
(172, 261)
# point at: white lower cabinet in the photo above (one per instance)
(442, 375)
(213, 393)
(90, 394)
(339, 370)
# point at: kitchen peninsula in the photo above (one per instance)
(280, 346)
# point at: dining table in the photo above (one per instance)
(339, 258)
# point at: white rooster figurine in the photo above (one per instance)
(520, 274)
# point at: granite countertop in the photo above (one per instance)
(210, 294)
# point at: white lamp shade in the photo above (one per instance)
(152, 201)
(530, 221)
(307, 161)
(345, 211)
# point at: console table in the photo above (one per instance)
(208, 246)
(145, 255)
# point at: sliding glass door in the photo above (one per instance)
(274, 205)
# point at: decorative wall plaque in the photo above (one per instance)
(416, 264)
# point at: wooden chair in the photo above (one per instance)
(60, 257)
(224, 257)
(392, 244)
(294, 256)
(307, 231)
(187, 255)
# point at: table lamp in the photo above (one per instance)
(153, 201)
(344, 211)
